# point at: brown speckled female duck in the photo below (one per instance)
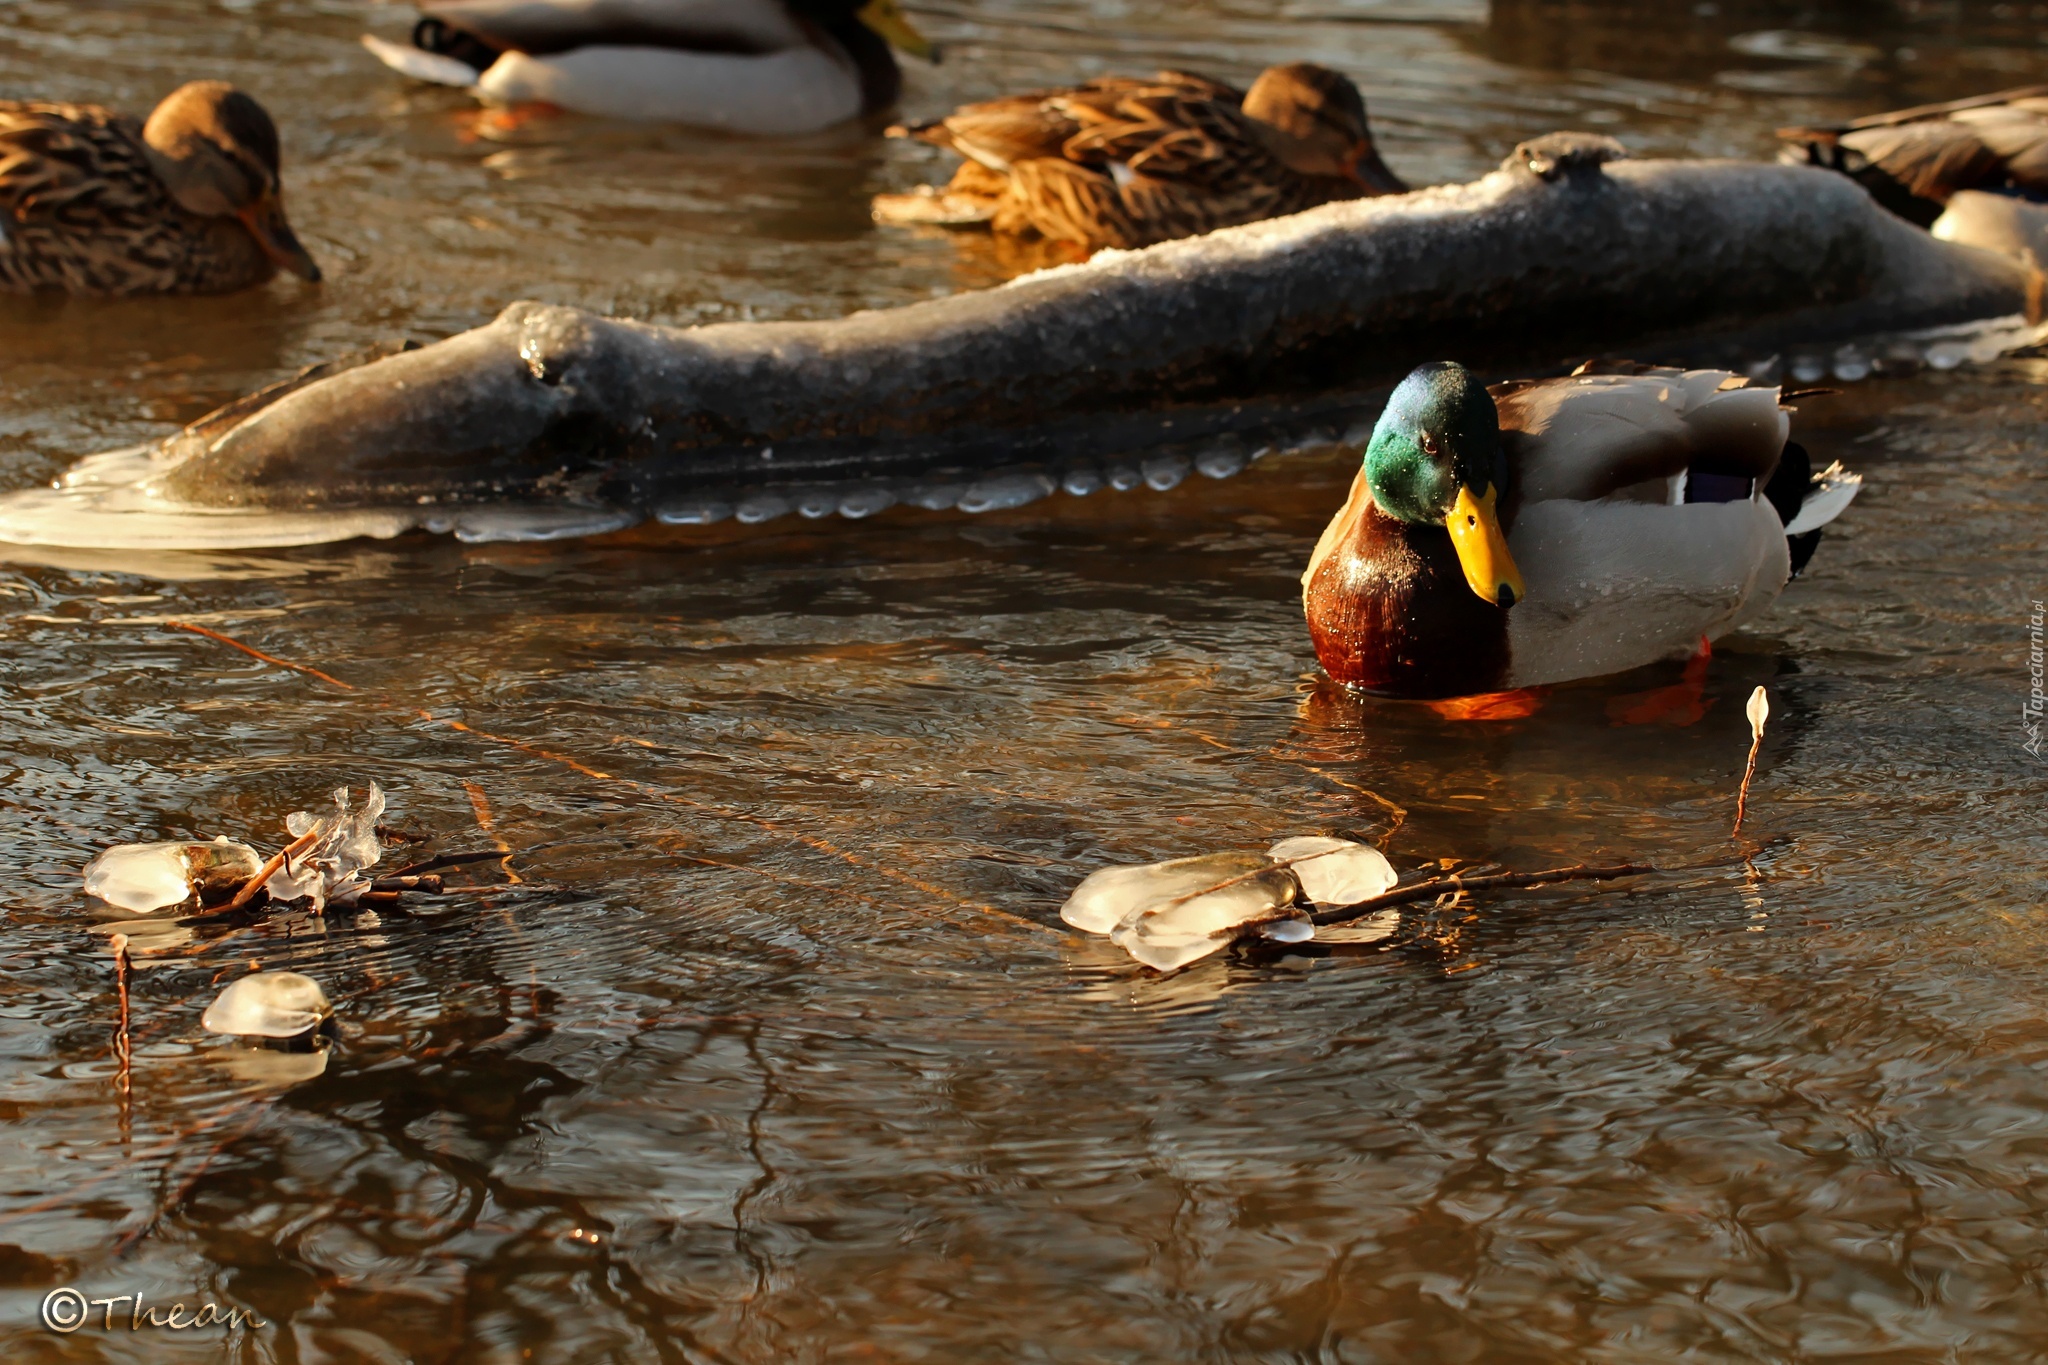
(1126, 162)
(92, 202)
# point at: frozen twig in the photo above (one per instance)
(123, 1048)
(259, 654)
(1759, 711)
(280, 859)
(1430, 890)
(392, 885)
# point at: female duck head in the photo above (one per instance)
(1313, 119)
(1436, 459)
(215, 150)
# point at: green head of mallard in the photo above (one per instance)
(1435, 459)
(216, 151)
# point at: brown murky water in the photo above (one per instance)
(778, 1054)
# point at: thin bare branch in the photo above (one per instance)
(1430, 890)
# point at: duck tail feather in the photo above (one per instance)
(1834, 488)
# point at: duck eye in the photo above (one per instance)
(1428, 444)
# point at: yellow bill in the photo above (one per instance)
(886, 18)
(1483, 550)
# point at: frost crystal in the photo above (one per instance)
(328, 872)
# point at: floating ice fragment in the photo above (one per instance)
(1166, 471)
(761, 507)
(1169, 914)
(268, 1005)
(1004, 491)
(865, 502)
(693, 512)
(145, 877)
(1335, 871)
(1851, 364)
(327, 872)
(1220, 464)
(937, 497)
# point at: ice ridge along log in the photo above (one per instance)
(554, 403)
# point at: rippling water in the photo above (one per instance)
(778, 1051)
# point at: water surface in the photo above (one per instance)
(778, 1052)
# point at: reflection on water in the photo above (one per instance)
(778, 1051)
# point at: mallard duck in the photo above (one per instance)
(1913, 160)
(769, 67)
(188, 203)
(1126, 162)
(1553, 529)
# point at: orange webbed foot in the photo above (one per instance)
(1516, 705)
(1681, 704)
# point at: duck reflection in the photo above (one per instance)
(1581, 769)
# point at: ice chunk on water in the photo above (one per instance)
(1169, 914)
(756, 508)
(1108, 897)
(1180, 932)
(1166, 471)
(139, 877)
(268, 1005)
(865, 502)
(693, 512)
(1003, 491)
(346, 843)
(1335, 871)
(145, 877)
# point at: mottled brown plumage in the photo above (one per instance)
(1123, 161)
(92, 202)
(1913, 160)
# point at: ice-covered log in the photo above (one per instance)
(554, 403)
